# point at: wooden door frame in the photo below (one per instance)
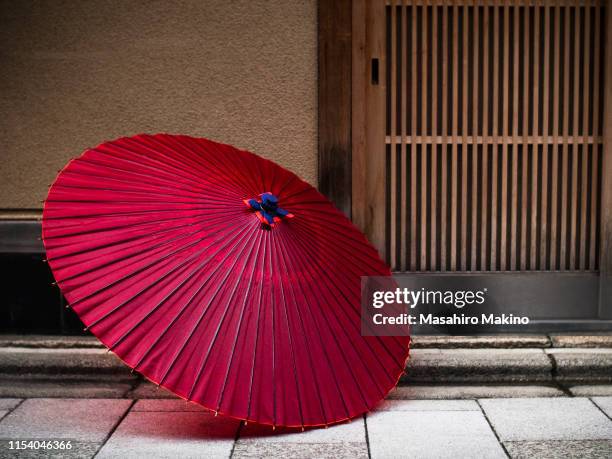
(344, 64)
(344, 56)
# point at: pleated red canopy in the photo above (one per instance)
(154, 247)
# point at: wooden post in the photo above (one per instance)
(605, 264)
(369, 84)
(335, 51)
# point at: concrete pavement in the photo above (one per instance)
(561, 426)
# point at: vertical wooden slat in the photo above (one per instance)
(576, 125)
(464, 132)
(524, 145)
(413, 152)
(565, 157)
(544, 253)
(393, 168)
(583, 257)
(485, 144)
(424, 98)
(403, 154)
(476, 71)
(434, 133)
(555, 151)
(505, 134)
(513, 246)
(444, 171)
(533, 255)
(496, 141)
(454, 174)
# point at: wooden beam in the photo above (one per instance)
(334, 101)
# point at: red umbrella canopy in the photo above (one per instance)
(222, 277)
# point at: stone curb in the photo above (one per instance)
(488, 366)
(478, 365)
(62, 362)
(507, 341)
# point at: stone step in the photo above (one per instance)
(506, 341)
(427, 365)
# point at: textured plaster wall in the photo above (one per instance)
(75, 73)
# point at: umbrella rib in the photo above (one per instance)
(261, 287)
(149, 161)
(240, 320)
(401, 365)
(159, 182)
(144, 268)
(153, 190)
(166, 298)
(322, 236)
(331, 370)
(205, 310)
(117, 227)
(252, 235)
(331, 332)
(273, 336)
(146, 240)
(287, 182)
(136, 212)
(195, 164)
(156, 174)
(126, 257)
(196, 183)
(308, 240)
(177, 267)
(220, 158)
(154, 180)
(173, 321)
(285, 269)
(355, 380)
(295, 376)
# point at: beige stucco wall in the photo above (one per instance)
(74, 73)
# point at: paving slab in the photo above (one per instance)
(474, 342)
(353, 431)
(605, 403)
(32, 388)
(9, 403)
(3, 413)
(341, 440)
(171, 434)
(440, 434)
(591, 390)
(78, 450)
(445, 392)
(593, 449)
(478, 365)
(582, 365)
(547, 419)
(300, 450)
(428, 405)
(74, 419)
(146, 389)
(167, 405)
(589, 340)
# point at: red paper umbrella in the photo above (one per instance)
(222, 277)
